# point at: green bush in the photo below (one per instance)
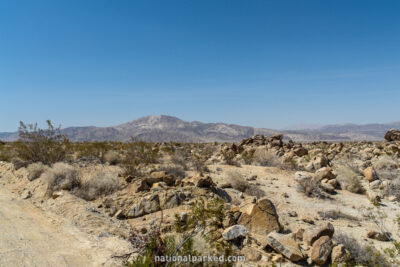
(37, 145)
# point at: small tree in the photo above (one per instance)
(39, 145)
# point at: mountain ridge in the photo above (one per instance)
(164, 128)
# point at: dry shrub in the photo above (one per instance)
(264, 157)
(337, 214)
(112, 157)
(19, 163)
(239, 183)
(310, 188)
(393, 188)
(349, 180)
(100, 185)
(62, 177)
(387, 168)
(35, 170)
(359, 254)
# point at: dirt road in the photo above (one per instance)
(28, 237)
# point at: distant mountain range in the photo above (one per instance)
(167, 128)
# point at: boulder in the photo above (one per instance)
(286, 245)
(369, 174)
(235, 232)
(327, 188)
(300, 176)
(313, 233)
(140, 185)
(392, 135)
(199, 181)
(260, 219)
(321, 250)
(324, 173)
(300, 151)
(144, 206)
(317, 162)
(339, 254)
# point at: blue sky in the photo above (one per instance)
(260, 63)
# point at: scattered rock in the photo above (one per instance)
(339, 254)
(313, 233)
(286, 245)
(26, 194)
(235, 232)
(369, 174)
(321, 250)
(378, 236)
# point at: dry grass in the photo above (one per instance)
(239, 183)
(310, 188)
(112, 157)
(35, 170)
(62, 177)
(100, 185)
(349, 179)
(264, 157)
(387, 168)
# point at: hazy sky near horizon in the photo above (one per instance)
(260, 63)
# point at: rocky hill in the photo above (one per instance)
(167, 128)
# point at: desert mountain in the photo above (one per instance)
(167, 128)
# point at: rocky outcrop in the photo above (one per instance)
(392, 135)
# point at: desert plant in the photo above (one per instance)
(112, 157)
(264, 157)
(35, 170)
(387, 168)
(239, 183)
(393, 188)
(349, 179)
(139, 153)
(360, 255)
(310, 188)
(100, 185)
(38, 145)
(62, 177)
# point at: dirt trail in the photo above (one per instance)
(28, 237)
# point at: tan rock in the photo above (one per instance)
(251, 254)
(313, 233)
(321, 250)
(369, 174)
(260, 218)
(378, 236)
(286, 245)
(339, 254)
(324, 173)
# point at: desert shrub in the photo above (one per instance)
(349, 179)
(35, 170)
(264, 157)
(203, 220)
(6, 151)
(112, 157)
(239, 183)
(229, 157)
(19, 163)
(310, 188)
(337, 214)
(62, 177)
(180, 157)
(38, 145)
(100, 185)
(175, 171)
(387, 168)
(393, 188)
(138, 154)
(359, 254)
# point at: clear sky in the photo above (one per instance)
(260, 63)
